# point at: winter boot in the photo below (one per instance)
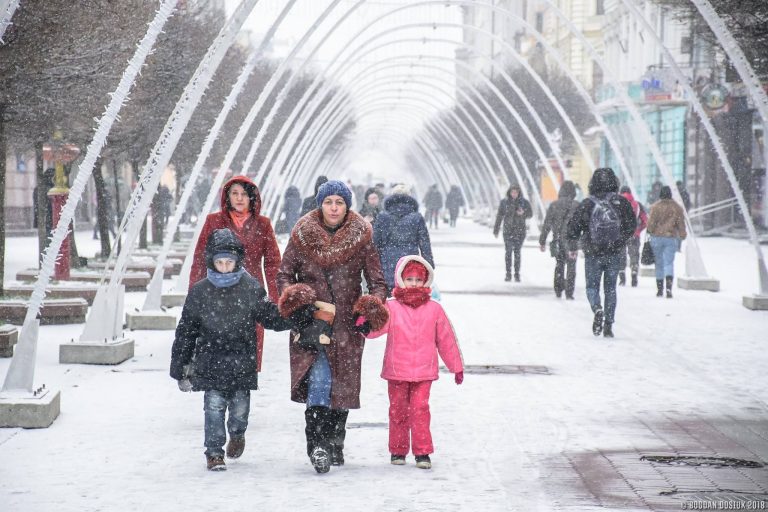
(317, 444)
(235, 447)
(634, 279)
(597, 322)
(423, 462)
(622, 278)
(397, 460)
(517, 278)
(608, 330)
(215, 463)
(659, 287)
(337, 432)
(508, 276)
(669, 286)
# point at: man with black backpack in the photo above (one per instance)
(604, 222)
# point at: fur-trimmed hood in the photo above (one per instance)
(315, 242)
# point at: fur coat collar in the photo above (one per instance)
(326, 249)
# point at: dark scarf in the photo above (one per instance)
(413, 297)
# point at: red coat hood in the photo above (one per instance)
(249, 186)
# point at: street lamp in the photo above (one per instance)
(61, 154)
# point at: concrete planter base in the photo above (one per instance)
(53, 312)
(150, 321)
(171, 300)
(9, 336)
(755, 302)
(111, 352)
(30, 411)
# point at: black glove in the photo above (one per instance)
(361, 324)
(302, 317)
(309, 337)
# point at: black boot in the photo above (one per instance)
(622, 278)
(669, 286)
(608, 330)
(597, 322)
(337, 432)
(634, 279)
(317, 444)
(659, 287)
(508, 276)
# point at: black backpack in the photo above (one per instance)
(605, 222)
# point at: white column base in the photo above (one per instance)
(27, 410)
(110, 352)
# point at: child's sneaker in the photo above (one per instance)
(215, 463)
(423, 462)
(398, 460)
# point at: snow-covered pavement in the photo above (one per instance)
(682, 377)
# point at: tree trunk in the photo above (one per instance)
(102, 209)
(143, 232)
(2, 199)
(118, 210)
(41, 200)
(74, 254)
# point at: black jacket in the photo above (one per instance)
(217, 330)
(454, 200)
(514, 224)
(556, 219)
(603, 183)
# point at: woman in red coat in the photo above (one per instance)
(240, 207)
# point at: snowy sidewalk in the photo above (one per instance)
(682, 377)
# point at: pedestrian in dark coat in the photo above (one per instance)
(454, 201)
(309, 203)
(330, 250)
(556, 220)
(603, 259)
(433, 202)
(399, 231)
(215, 346)
(513, 211)
(371, 205)
(291, 207)
(240, 213)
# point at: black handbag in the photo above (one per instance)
(646, 256)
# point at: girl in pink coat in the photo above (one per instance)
(417, 331)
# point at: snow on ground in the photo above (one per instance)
(127, 439)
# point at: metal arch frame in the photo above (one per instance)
(489, 191)
(471, 87)
(473, 104)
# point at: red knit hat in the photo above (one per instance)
(415, 269)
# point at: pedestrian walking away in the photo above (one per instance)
(666, 227)
(454, 201)
(633, 244)
(556, 221)
(513, 211)
(309, 202)
(603, 223)
(215, 346)
(371, 207)
(328, 253)
(417, 331)
(433, 202)
(240, 213)
(400, 230)
(291, 210)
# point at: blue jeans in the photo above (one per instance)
(605, 268)
(215, 405)
(664, 249)
(319, 381)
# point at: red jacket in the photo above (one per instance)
(639, 211)
(258, 239)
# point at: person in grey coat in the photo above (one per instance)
(556, 221)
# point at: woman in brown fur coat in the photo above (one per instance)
(329, 250)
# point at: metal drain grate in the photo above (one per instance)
(503, 369)
(696, 460)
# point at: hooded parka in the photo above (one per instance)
(513, 223)
(258, 241)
